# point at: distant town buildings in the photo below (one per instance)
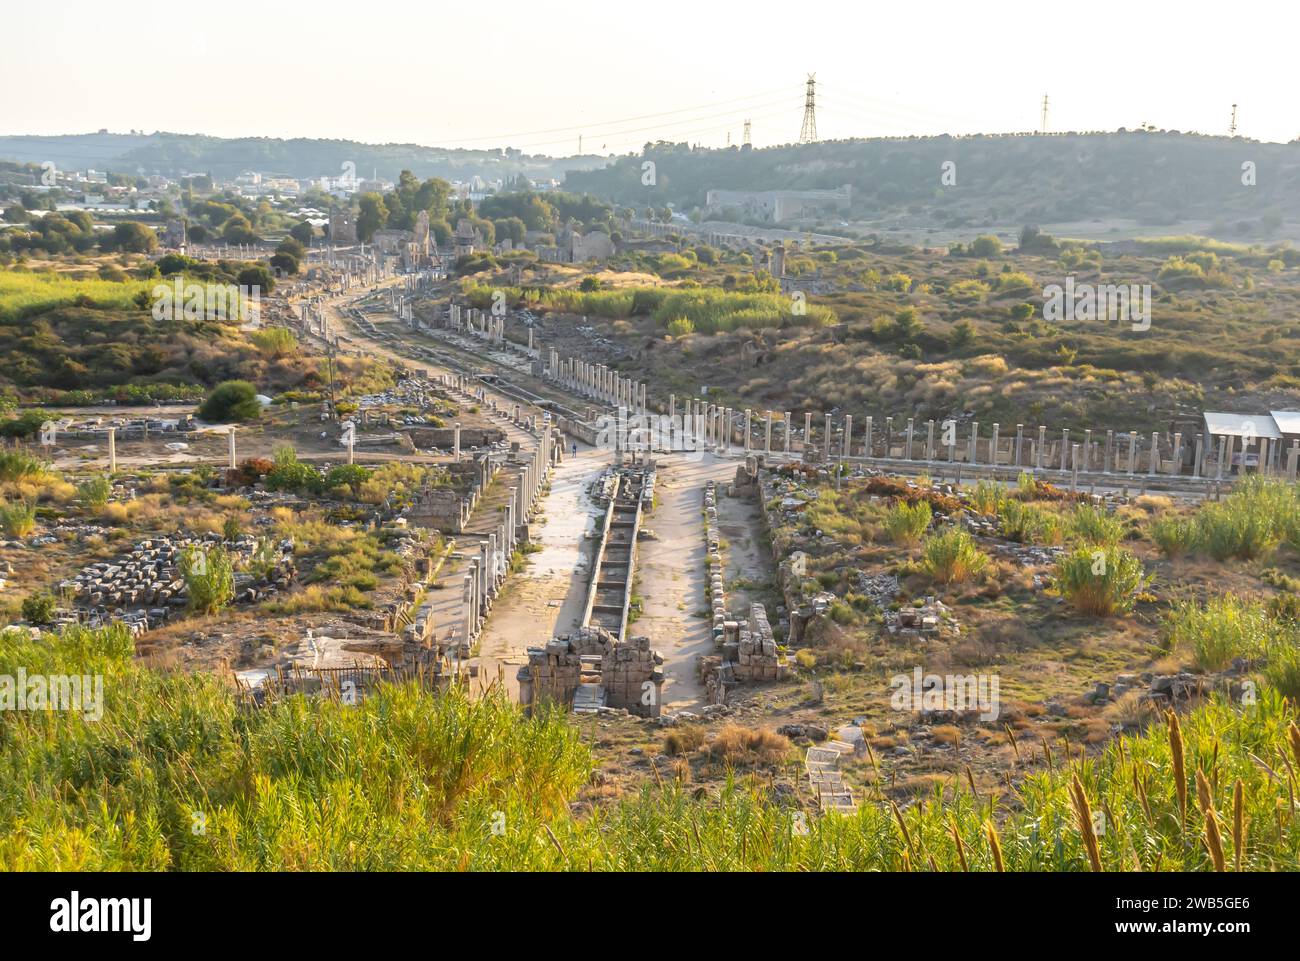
(778, 206)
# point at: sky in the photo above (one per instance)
(537, 75)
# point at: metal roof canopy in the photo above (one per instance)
(1288, 421)
(1224, 424)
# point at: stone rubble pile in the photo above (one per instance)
(145, 585)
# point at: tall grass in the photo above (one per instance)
(17, 465)
(951, 555)
(1227, 628)
(1099, 582)
(177, 777)
(906, 524)
(1250, 521)
(1029, 524)
(17, 519)
(1175, 536)
(987, 497)
(25, 294)
(1092, 524)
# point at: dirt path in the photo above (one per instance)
(672, 575)
(547, 597)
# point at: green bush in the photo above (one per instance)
(906, 524)
(1028, 524)
(39, 608)
(1225, 628)
(17, 519)
(209, 578)
(1175, 536)
(94, 491)
(1095, 525)
(231, 401)
(951, 555)
(291, 474)
(1099, 582)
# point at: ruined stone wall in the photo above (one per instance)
(630, 675)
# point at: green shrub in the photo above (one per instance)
(291, 474)
(17, 519)
(16, 465)
(951, 555)
(988, 497)
(209, 578)
(1028, 524)
(39, 608)
(231, 401)
(1283, 669)
(94, 491)
(1225, 628)
(1099, 582)
(906, 524)
(1175, 536)
(1095, 525)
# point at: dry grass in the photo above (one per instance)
(738, 745)
(683, 740)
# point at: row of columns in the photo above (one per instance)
(714, 426)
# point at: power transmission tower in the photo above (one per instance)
(748, 143)
(1044, 128)
(808, 133)
(1232, 126)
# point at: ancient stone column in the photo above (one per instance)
(455, 443)
(1065, 449)
(788, 424)
(767, 430)
(1132, 451)
(230, 434)
(807, 432)
(1155, 454)
(112, 450)
(1042, 448)
(974, 453)
(846, 449)
(827, 457)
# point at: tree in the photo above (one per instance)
(39, 608)
(292, 247)
(985, 245)
(963, 332)
(907, 324)
(285, 263)
(135, 238)
(255, 275)
(303, 233)
(231, 400)
(372, 216)
(237, 230)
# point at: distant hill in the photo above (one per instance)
(1155, 178)
(175, 154)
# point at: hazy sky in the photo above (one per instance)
(535, 75)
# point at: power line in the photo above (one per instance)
(605, 123)
(738, 112)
